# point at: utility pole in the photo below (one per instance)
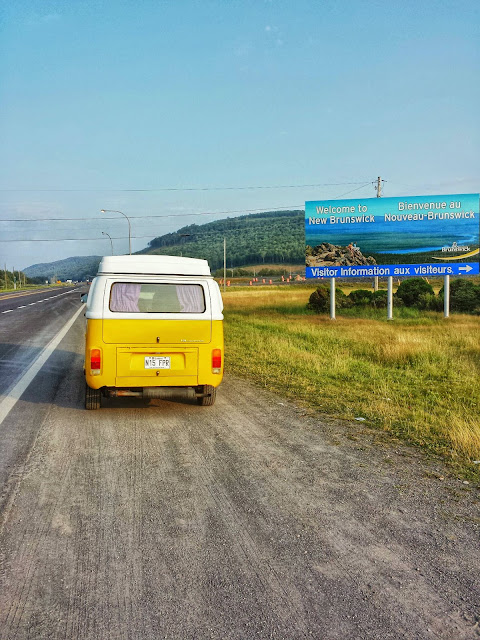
(378, 187)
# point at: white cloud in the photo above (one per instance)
(274, 32)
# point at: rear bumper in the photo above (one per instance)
(134, 382)
(158, 392)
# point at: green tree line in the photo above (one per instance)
(9, 278)
(272, 237)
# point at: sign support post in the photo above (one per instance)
(446, 296)
(390, 298)
(332, 298)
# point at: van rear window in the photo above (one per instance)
(133, 297)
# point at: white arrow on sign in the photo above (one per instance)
(466, 268)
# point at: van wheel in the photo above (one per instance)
(209, 399)
(92, 398)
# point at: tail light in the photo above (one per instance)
(95, 362)
(217, 361)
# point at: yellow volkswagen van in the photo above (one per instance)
(154, 329)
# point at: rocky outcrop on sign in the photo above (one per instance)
(331, 255)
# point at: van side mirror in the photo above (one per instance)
(83, 297)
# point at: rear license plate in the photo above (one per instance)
(157, 362)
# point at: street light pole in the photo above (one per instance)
(111, 242)
(129, 228)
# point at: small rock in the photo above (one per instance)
(466, 482)
(360, 419)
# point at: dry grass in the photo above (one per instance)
(416, 376)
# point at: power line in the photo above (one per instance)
(346, 194)
(90, 239)
(298, 207)
(100, 239)
(181, 215)
(75, 239)
(167, 215)
(159, 189)
(95, 239)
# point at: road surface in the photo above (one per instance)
(248, 519)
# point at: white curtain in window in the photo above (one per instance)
(125, 297)
(191, 298)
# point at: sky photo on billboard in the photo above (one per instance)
(408, 236)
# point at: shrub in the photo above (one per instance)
(361, 297)
(341, 300)
(464, 296)
(319, 300)
(411, 290)
(429, 302)
(380, 299)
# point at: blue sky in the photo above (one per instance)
(99, 99)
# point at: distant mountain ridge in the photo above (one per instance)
(75, 268)
(272, 237)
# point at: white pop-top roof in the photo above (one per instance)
(153, 265)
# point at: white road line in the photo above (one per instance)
(23, 306)
(15, 394)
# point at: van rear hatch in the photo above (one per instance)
(157, 328)
(174, 367)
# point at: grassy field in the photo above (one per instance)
(416, 376)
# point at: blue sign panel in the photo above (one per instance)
(402, 237)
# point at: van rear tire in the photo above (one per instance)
(208, 400)
(93, 398)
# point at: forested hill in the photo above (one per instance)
(271, 237)
(75, 268)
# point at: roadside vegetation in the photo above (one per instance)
(32, 287)
(415, 377)
(8, 279)
(416, 293)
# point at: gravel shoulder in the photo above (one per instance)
(248, 519)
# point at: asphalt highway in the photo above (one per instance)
(28, 321)
(248, 519)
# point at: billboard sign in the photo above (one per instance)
(402, 237)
